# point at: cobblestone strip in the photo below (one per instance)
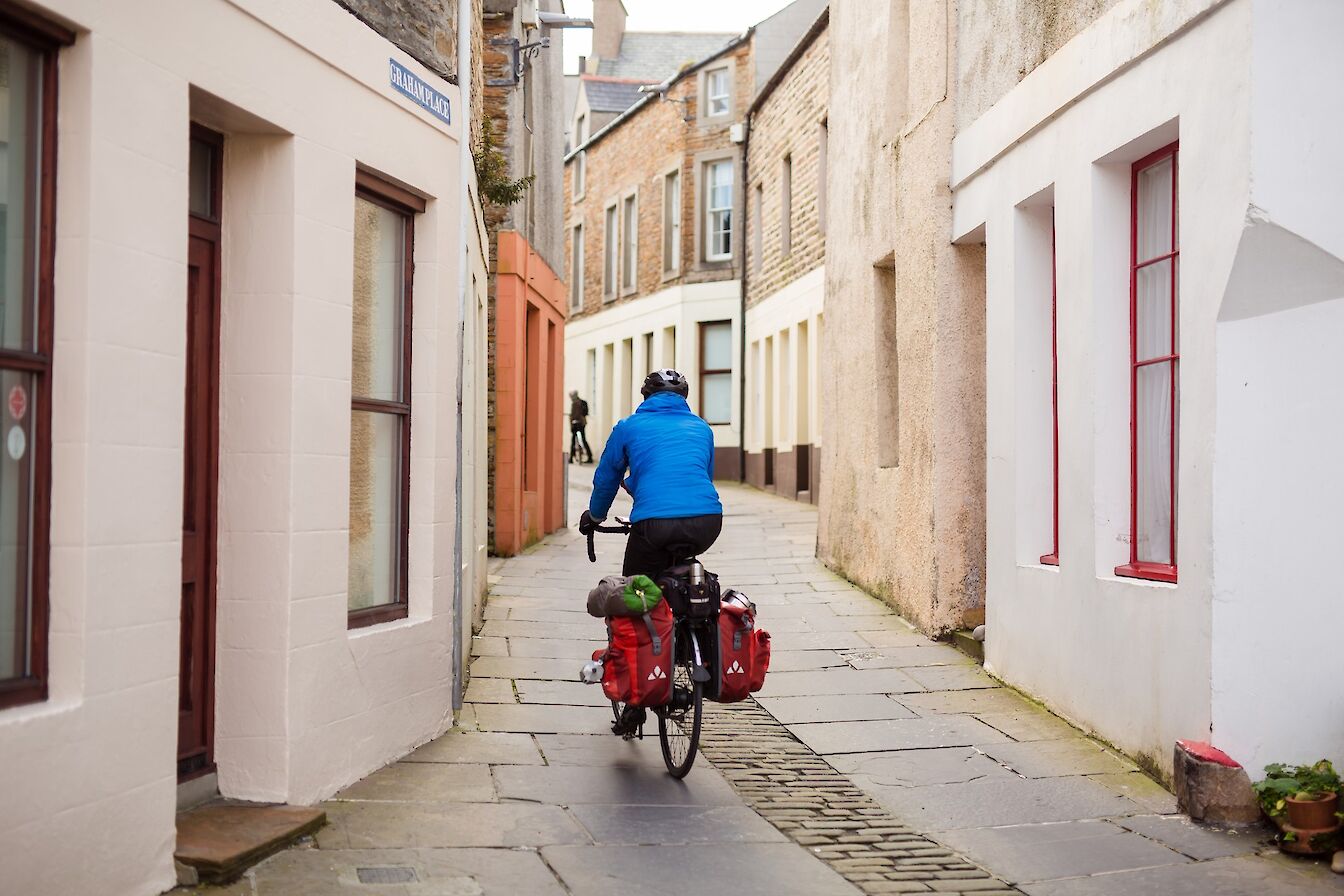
(819, 808)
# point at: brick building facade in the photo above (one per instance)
(784, 278)
(653, 247)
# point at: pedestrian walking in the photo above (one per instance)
(578, 428)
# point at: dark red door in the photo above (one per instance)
(196, 710)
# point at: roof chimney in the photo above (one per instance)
(608, 28)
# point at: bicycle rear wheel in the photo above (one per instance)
(679, 721)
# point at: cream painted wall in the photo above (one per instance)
(1128, 659)
(901, 511)
(1276, 472)
(796, 309)
(681, 308)
(304, 706)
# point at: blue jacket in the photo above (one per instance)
(670, 454)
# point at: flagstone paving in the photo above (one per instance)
(874, 761)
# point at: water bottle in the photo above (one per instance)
(591, 673)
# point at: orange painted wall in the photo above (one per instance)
(530, 413)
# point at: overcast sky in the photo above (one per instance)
(661, 15)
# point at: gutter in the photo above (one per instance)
(742, 302)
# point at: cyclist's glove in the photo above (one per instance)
(587, 525)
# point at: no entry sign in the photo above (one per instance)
(18, 402)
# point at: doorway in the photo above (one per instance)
(196, 700)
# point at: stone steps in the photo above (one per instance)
(217, 842)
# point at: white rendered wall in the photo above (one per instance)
(303, 706)
(682, 307)
(1278, 601)
(1128, 659)
(796, 310)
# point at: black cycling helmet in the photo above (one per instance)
(665, 380)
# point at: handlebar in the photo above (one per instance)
(623, 528)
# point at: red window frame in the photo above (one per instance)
(405, 203)
(1052, 558)
(45, 39)
(1137, 567)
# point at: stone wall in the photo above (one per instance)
(1000, 42)
(902, 513)
(427, 29)
(788, 122)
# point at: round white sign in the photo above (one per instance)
(17, 443)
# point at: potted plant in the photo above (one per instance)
(1303, 800)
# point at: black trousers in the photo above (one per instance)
(576, 435)
(654, 545)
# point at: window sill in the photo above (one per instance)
(1153, 572)
(1050, 560)
(22, 692)
(375, 615)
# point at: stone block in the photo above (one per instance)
(1211, 786)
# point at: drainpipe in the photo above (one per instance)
(742, 314)
(468, 225)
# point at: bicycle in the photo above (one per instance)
(679, 720)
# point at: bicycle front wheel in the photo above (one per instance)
(679, 721)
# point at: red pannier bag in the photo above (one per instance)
(744, 649)
(637, 661)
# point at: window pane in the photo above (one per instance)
(380, 236)
(628, 262)
(721, 185)
(1155, 207)
(717, 397)
(201, 174)
(609, 253)
(18, 179)
(1153, 415)
(375, 508)
(719, 202)
(16, 485)
(576, 269)
(671, 222)
(718, 92)
(723, 233)
(1153, 310)
(718, 347)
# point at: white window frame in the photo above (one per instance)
(672, 223)
(726, 97)
(611, 258)
(711, 211)
(577, 268)
(629, 262)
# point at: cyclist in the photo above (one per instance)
(669, 452)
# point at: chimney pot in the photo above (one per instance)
(608, 28)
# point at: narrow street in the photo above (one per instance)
(875, 761)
